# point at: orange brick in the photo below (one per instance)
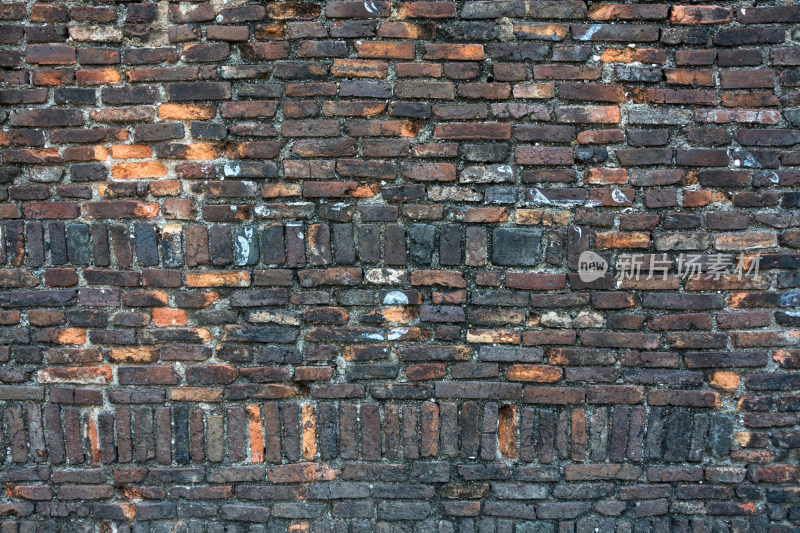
(309, 432)
(600, 137)
(71, 336)
(163, 317)
(100, 375)
(605, 241)
(534, 90)
(131, 151)
(550, 32)
(418, 70)
(746, 241)
(454, 52)
(483, 214)
(186, 112)
(438, 277)
(165, 188)
(535, 217)
(507, 431)
(606, 176)
(385, 50)
(627, 12)
(91, 430)
(724, 380)
(426, 371)
(346, 189)
(123, 114)
(634, 55)
(201, 151)
(404, 30)
(494, 336)
(279, 190)
(696, 198)
(51, 77)
(195, 394)
(426, 9)
(359, 68)
(689, 77)
(534, 373)
(142, 355)
(396, 315)
(219, 278)
(256, 434)
(138, 171)
(107, 76)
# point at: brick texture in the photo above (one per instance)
(313, 266)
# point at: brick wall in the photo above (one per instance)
(316, 266)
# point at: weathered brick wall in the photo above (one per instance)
(313, 266)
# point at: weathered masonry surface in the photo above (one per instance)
(314, 266)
